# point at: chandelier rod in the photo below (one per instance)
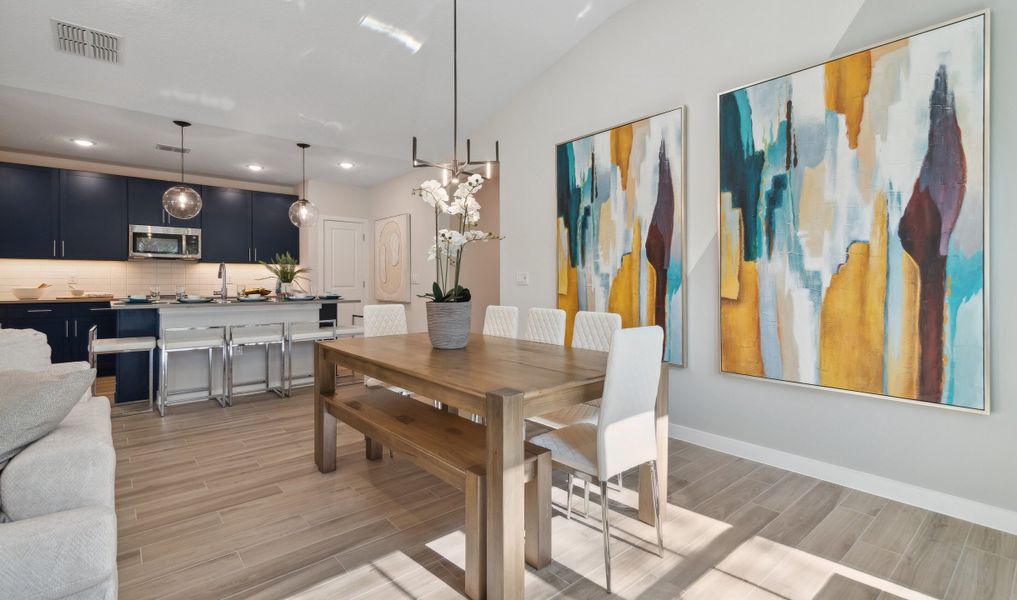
(455, 84)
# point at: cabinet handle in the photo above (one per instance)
(54, 248)
(255, 254)
(99, 309)
(75, 328)
(66, 326)
(39, 310)
(62, 252)
(248, 255)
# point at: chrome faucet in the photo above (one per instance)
(223, 294)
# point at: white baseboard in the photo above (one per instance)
(954, 506)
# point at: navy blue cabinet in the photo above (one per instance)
(272, 231)
(144, 204)
(66, 326)
(93, 216)
(29, 202)
(226, 225)
(132, 368)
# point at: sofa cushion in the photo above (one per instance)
(23, 349)
(72, 467)
(58, 555)
(33, 403)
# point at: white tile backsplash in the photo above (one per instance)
(127, 277)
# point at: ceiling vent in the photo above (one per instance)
(90, 43)
(168, 148)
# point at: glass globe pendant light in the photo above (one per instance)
(182, 201)
(303, 213)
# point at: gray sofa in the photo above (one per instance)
(57, 495)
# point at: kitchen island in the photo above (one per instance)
(188, 370)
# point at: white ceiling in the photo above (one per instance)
(256, 76)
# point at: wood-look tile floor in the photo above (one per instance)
(227, 503)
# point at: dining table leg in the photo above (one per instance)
(505, 480)
(646, 512)
(324, 422)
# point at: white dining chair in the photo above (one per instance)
(379, 320)
(545, 325)
(591, 331)
(501, 321)
(625, 433)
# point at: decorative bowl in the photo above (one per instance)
(32, 293)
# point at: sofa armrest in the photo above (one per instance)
(57, 555)
(72, 467)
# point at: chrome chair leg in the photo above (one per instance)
(151, 378)
(288, 351)
(163, 381)
(607, 534)
(656, 507)
(568, 497)
(91, 364)
(222, 373)
(229, 375)
(284, 389)
(586, 499)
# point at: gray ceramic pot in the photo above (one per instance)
(448, 324)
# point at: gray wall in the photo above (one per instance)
(658, 54)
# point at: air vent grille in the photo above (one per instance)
(168, 148)
(90, 43)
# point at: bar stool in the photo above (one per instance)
(310, 331)
(246, 336)
(189, 339)
(98, 346)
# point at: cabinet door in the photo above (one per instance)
(57, 331)
(226, 225)
(273, 232)
(144, 202)
(93, 214)
(29, 201)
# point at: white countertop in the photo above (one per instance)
(173, 304)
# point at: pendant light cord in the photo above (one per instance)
(303, 171)
(181, 154)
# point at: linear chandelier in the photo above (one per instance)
(455, 168)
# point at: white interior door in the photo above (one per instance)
(345, 254)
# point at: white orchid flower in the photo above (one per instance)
(434, 194)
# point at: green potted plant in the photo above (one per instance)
(285, 269)
(448, 312)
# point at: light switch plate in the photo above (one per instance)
(522, 278)
(414, 279)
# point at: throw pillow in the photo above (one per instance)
(33, 403)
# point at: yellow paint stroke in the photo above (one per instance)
(621, 149)
(568, 283)
(624, 296)
(730, 247)
(815, 213)
(852, 324)
(847, 83)
(651, 297)
(902, 369)
(740, 345)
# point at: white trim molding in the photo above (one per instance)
(954, 506)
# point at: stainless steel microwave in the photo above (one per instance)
(164, 242)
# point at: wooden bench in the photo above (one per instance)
(454, 450)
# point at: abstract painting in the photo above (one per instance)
(853, 199)
(621, 235)
(392, 259)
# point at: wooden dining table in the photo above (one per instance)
(503, 380)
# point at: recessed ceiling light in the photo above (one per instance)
(346, 164)
(83, 142)
(255, 167)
